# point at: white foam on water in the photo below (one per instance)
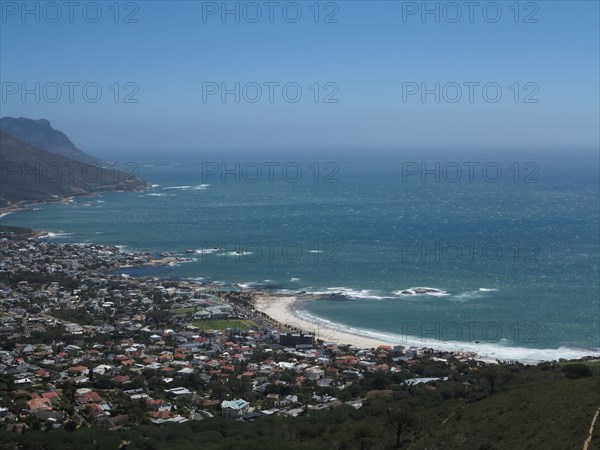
(412, 292)
(176, 187)
(126, 249)
(438, 294)
(500, 350)
(466, 296)
(186, 187)
(181, 261)
(357, 294)
(235, 253)
(285, 291)
(434, 292)
(57, 235)
(206, 251)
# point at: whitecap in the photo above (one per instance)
(176, 187)
(206, 251)
(356, 294)
(57, 235)
(188, 187)
(236, 253)
(181, 261)
(419, 291)
(126, 249)
(466, 296)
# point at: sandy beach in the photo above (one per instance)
(282, 309)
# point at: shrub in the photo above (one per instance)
(577, 371)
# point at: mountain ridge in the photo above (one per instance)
(40, 133)
(29, 174)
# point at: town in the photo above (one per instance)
(84, 345)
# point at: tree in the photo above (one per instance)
(219, 391)
(88, 415)
(364, 436)
(70, 426)
(400, 421)
(495, 375)
(577, 371)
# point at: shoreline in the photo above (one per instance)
(284, 310)
(27, 205)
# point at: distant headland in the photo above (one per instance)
(40, 164)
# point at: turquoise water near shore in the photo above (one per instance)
(516, 263)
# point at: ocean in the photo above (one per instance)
(509, 250)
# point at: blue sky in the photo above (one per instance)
(370, 57)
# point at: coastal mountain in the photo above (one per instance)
(40, 134)
(30, 174)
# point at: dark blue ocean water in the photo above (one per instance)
(518, 261)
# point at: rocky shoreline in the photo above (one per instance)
(26, 205)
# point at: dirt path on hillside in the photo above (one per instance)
(587, 442)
